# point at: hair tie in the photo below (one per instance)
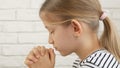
(103, 16)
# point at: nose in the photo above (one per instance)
(50, 40)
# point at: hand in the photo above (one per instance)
(40, 57)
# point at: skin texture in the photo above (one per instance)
(40, 57)
(77, 38)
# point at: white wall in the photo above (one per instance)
(21, 29)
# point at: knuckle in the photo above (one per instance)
(39, 49)
(30, 57)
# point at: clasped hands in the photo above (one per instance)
(40, 57)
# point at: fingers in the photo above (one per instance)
(32, 57)
(28, 62)
(52, 55)
(39, 50)
(43, 51)
(36, 52)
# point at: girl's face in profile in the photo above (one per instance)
(60, 36)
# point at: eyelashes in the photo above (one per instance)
(51, 32)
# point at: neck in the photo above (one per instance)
(89, 46)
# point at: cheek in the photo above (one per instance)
(64, 43)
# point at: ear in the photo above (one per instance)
(76, 27)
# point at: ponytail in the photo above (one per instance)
(90, 11)
(109, 39)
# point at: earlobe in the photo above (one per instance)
(77, 27)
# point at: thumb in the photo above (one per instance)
(52, 55)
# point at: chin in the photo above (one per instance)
(65, 53)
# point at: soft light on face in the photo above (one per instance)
(61, 37)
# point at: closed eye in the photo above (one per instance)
(51, 32)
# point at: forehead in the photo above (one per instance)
(49, 18)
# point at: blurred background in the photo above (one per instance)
(21, 29)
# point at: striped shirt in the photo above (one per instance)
(98, 59)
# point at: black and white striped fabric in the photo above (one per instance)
(98, 59)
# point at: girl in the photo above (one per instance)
(73, 27)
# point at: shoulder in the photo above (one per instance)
(102, 59)
(78, 64)
(99, 59)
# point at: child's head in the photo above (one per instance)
(72, 22)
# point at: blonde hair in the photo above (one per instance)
(89, 12)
